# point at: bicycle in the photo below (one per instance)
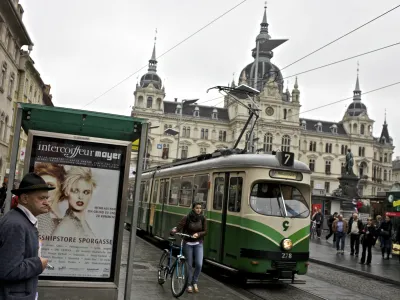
(178, 269)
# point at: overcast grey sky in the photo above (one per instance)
(82, 48)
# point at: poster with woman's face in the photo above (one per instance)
(78, 231)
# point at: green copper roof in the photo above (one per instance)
(80, 122)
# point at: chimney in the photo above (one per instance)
(176, 99)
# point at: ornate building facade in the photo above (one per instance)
(19, 80)
(321, 144)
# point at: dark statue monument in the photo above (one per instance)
(348, 181)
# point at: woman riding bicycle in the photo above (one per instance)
(194, 224)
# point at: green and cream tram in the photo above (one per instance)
(257, 208)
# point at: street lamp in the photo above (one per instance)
(147, 146)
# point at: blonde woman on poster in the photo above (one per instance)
(78, 189)
(54, 176)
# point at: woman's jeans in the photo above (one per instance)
(194, 252)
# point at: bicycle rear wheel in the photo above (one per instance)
(163, 268)
(179, 278)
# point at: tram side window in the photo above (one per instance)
(175, 187)
(186, 191)
(141, 196)
(146, 192)
(166, 191)
(201, 189)
(155, 190)
(219, 187)
(235, 194)
(161, 196)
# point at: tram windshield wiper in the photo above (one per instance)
(299, 214)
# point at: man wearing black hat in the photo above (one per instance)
(20, 264)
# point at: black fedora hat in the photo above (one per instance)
(30, 183)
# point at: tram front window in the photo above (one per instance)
(278, 200)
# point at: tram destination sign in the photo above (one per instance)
(289, 175)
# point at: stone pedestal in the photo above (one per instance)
(349, 186)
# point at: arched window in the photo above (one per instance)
(149, 102)
(3, 75)
(313, 146)
(285, 143)
(268, 139)
(184, 153)
(206, 134)
(202, 136)
(363, 169)
(362, 129)
(5, 129)
(188, 132)
(384, 175)
(184, 131)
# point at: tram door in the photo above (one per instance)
(225, 228)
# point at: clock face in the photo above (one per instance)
(269, 111)
(391, 198)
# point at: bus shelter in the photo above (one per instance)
(86, 156)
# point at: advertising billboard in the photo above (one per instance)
(79, 235)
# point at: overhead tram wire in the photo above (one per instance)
(169, 50)
(339, 38)
(345, 99)
(337, 62)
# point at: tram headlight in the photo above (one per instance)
(287, 244)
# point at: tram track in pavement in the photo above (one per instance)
(255, 289)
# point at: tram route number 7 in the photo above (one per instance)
(286, 158)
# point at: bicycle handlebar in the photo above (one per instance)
(184, 235)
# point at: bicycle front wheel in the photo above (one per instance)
(179, 278)
(163, 268)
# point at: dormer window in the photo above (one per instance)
(334, 129)
(178, 109)
(304, 124)
(196, 112)
(215, 114)
(318, 126)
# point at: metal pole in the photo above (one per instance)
(146, 151)
(132, 239)
(255, 86)
(13, 158)
(179, 129)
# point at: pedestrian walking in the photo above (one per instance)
(339, 227)
(194, 224)
(330, 224)
(318, 218)
(354, 230)
(20, 264)
(398, 237)
(385, 232)
(368, 239)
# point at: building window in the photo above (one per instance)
(328, 148)
(328, 167)
(313, 146)
(3, 75)
(343, 150)
(312, 165)
(215, 115)
(327, 187)
(203, 151)
(304, 124)
(184, 153)
(319, 126)
(165, 151)
(363, 169)
(268, 139)
(11, 85)
(385, 158)
(390, 175)
(374, 155)
(284, 113)
(202, 133)
(384, 175)
(285, 143)
(222, 136)
(362, 129)
(361, 151)
(334, 129)
(184, 131)
(312, 184)
(196, 113)
(149, 102)
(188, 132)
(206, 134)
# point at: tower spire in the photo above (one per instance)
(153, 60)
(264, 23)
(357, 91)
(385, 118)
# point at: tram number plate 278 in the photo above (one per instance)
(286, 255)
